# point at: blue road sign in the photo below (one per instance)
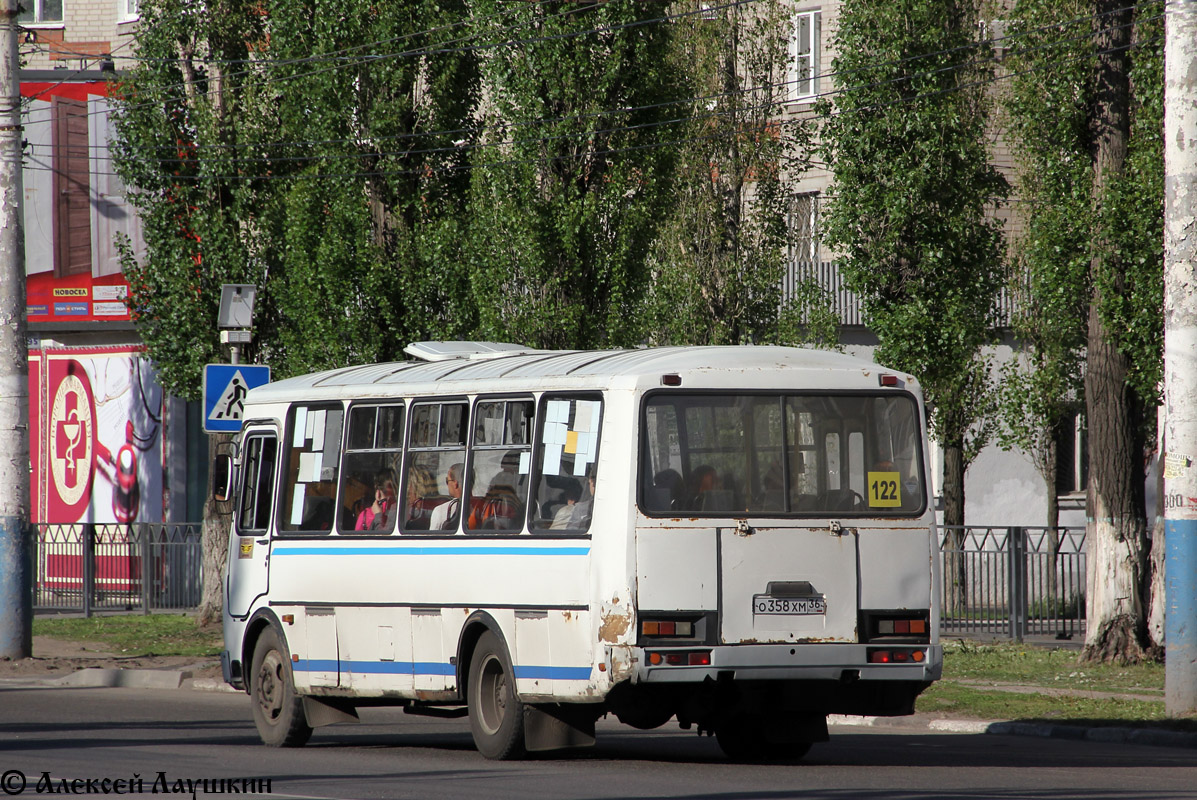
(225, 387)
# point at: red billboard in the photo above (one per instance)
(95, 436)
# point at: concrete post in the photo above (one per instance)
(16, 609)
(1180, 356)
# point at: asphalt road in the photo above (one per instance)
(122, 733)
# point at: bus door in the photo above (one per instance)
(787, 584)
(249, 545)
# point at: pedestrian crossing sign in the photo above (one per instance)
(225, 387)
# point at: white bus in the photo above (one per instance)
(736, 537)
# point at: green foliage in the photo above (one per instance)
(1048, 109)
(719, 261)
(262, 147)
(1133, 212)
(562, 212)
(913, 182)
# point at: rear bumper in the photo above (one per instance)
(799, 662)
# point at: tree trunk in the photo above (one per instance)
(214, 543)
(1116, 527)
(955, 576)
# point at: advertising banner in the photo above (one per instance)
(95, 436)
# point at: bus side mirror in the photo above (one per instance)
(222, 477)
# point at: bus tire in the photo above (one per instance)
(496, 713)
(278, 710)
(742, 738)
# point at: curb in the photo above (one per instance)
(94, 677)
(210, 685)
(1155, 737)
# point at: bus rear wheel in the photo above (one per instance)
(496, 714)
(278, 710)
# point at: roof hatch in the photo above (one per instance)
(472, 351)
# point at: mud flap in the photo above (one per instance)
(556, 727)
(327, 712)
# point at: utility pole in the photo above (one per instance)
(16, 609)
(1180, 356)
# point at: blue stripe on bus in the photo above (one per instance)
(430, 551)
(554, 673)
(432, 668)
(376, 667)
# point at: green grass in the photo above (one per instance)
(1051, 667)
(968, 701)
(137, 635)
(970, 669)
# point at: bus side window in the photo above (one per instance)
(500, 462)
(566, 456)
(369, 475)
(432, 487)
(313, 457)
(257, 485)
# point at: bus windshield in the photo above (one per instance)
(781, 454)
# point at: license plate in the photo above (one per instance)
(764, 604)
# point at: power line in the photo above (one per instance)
(692, 100)
(440, 50)
(595, 132)
(581, 134)
(631, 148)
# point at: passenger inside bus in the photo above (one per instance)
(502, 505)
(584, 509)
(571, 492)
(445, 516)
(422, 498)
(706, 492)
(500, 508)
(376, 516)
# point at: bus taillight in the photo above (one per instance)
(896, 656)
(680, 658)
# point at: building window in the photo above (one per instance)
(804, 228)
(127, 9)
(40, 11)
(805, 80)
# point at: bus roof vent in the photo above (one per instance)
(474, 351)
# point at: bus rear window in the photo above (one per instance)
(774, 454)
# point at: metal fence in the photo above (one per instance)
(144, 566)
(1013, 582)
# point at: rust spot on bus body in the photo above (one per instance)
(615, 625)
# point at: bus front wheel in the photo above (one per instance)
(278, 710)
(496, 714)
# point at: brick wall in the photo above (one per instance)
(89, 32)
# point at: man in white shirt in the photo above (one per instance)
(446, 515)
